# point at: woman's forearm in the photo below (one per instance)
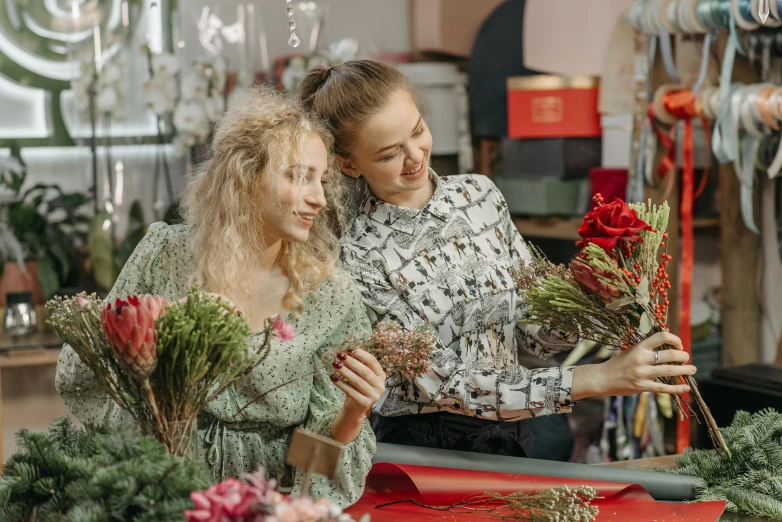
(346, 426)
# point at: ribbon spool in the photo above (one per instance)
(742, 13)
(750, 116)
(770, 21)
(775, 108)
(763, 106)
(775, 10)
(688, 19)
(706, 103)
(775, 103)
(668, 16)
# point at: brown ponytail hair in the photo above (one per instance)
(346, 95)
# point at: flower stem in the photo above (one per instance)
(161, 425)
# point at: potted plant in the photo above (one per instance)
(47, 227)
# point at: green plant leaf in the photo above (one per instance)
(134, 235)
(642, 290)
(646, 323)
(619, 303)
(102, 251)
(47, 277)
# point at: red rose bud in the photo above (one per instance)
(606, 225)
(130, 328)
(587, 278)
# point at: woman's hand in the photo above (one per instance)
(635, 370)
(362, 379)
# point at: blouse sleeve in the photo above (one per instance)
(326, 401)
(451, 385)
(539, 340)
(74, 380)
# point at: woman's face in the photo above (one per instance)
(300, 194)
(392, 152)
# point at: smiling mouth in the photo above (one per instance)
(416, 170)
(307, 217)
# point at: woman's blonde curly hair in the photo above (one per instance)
(258, 137)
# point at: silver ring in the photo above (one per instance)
(657, 360)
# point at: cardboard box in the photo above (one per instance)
(544, 106)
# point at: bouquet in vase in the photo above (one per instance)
(162, 363)
(615, 291)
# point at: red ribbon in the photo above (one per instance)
(444, 486)
(681, 105)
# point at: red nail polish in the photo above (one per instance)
(333, 378)
(341, 356)
(337, 365)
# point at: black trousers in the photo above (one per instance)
(547, 437)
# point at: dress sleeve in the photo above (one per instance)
(326, 401)
(74, 380)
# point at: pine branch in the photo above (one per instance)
(79, 475)
(751, 481)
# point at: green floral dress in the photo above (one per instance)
(162, 264)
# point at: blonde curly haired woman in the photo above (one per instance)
(262, 218)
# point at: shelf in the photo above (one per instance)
(38, 349)
(39, 357)
(550, 227)
(706, 222)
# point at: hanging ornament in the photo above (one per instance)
(763, 10)
(293, 41)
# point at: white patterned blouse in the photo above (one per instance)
(448, 265)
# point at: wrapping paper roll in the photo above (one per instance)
(661, 486)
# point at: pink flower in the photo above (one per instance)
(230, 500)
(82, 303)
(130, 328)
(282, 329)
(256, 501)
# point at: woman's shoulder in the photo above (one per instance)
(161, 232)
(338, 288)
(477, 182)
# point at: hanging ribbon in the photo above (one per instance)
(775, 107)
(745, 105)
(671, 106)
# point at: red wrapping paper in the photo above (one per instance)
(442, 486)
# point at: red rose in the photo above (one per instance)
(606, 225)
(587, 278)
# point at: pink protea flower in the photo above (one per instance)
(281, 329)
(130, 328)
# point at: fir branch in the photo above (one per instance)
(71, 474)
(751, 480)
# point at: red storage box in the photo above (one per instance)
(544, 106)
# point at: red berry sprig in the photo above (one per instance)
(660, 287)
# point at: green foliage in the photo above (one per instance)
(108, 257)
(137, 227)
(173, 214)
(751, 481)
(48, 224)
(202, 349)
(80, 475)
